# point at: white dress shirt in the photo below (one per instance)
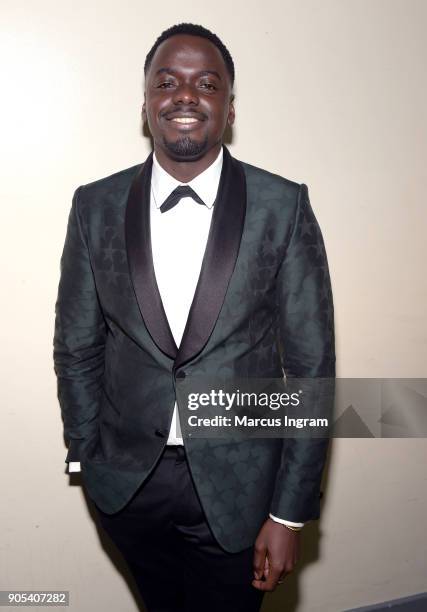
(178, 242)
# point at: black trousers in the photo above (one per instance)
(169, 548)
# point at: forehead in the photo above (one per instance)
(184, 52)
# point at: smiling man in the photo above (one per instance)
(189, 264)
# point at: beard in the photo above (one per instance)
(185, 147)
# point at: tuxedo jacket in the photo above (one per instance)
(262, 308)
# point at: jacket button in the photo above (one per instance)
(181, 374)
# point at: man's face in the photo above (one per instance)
(187, 98)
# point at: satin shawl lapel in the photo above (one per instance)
(217, 266)
(140, 258)
(219, 259)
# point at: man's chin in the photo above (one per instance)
(185, 148)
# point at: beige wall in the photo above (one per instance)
(331, 93)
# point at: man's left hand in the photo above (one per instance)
(276, 553)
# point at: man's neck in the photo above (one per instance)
(186, 171)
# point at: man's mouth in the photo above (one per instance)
(185, 120)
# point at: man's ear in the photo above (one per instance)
(231, 111)
(144, 111)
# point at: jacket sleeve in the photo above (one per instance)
(306, 338)
(79, 340)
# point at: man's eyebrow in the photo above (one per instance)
(214, 72)
(201, 73)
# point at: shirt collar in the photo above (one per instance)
(204, 184)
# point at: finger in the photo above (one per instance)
(266, 567)
(271, 582)
(259, 562)
(282, 577)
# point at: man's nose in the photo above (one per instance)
(185, 94)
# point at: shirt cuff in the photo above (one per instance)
(74, 466)
(290, 523)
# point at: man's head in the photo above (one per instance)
(188, 100)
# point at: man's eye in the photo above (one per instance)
(209, 86)
(164, 85)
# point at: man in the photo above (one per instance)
(190, 264)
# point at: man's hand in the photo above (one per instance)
(276, 553)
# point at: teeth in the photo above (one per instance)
(185, 119)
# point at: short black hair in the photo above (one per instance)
(193, 30)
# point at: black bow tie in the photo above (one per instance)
(183, 191)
